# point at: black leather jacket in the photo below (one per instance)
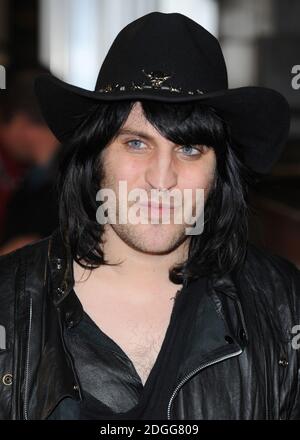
(241, 362)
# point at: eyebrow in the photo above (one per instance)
(134, 133)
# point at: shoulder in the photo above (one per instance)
(273, 281)
(33, 250)
(270, 268)
(20, 274)
(29, 258)
(274, 294)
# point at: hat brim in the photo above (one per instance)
(259, 117)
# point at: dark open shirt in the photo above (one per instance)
(111, 386)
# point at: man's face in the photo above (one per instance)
(151, 162)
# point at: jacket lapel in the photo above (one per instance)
(218, 333)
(56, 377)
(219, 329)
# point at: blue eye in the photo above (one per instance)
(189, 148)
(134, 147)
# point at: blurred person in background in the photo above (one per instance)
(14, 159)
(32, 209)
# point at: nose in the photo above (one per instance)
(161, 173)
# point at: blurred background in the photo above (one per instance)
(70, 38)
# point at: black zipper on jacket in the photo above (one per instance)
(27, 360)
(201, 367)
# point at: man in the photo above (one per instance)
(111, 319)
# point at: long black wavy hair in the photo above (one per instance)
(221, 246)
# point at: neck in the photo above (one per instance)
(134, 264)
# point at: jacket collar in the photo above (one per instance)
(219, 329)
(56, 377)
(62, 276)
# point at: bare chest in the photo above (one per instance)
(136, 323)
(142, 346)
(139, 331)
(140, 339)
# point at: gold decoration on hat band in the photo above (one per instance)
(156, 79)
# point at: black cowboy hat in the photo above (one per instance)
(169, 57)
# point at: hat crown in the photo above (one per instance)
(164, 49)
